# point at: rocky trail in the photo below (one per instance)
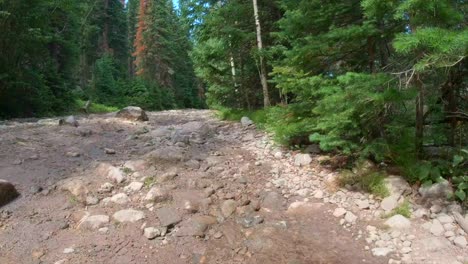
(184, 187)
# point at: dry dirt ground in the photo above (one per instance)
(210, 202)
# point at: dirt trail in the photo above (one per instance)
(198, 187)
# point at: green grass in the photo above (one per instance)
(372, 182)
(149, 181)
(403, 209)
(259, 117)
(95, 108)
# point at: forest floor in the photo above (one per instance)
(183, 187)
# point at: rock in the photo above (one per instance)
(313, 149)
(106, 187)
(92, 200)
(191, 206)
(132, 113)
(339, 212)
(228, 207)
(318, 194)
(34, 189)
(166, 154)
(278, 155)
(68, 250)
(362, 204)
(406, 250)
(69, 120)
(245, 121)
(302, 160)
(445, 219)
(168, 176)
(460, 241)
(435, 209)
(433, 244)
(157, 195)
(350, 217)
(76, 187)
(151, 232)
(72, 154)
(303, 207)
(136, 165)
(128, 215)
(196, 226)
(397, 186)
(120, 198)
(168, 216)
(94, 222)
(193, 164)
(438, 190)
(110, 172)
(381, 252)
(251, 221)
(109, 151)
(436, 228)
(272, 201)
(133, 187)
(398, 222)
(8, 192)
(389, 203)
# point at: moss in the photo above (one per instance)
(371, 182)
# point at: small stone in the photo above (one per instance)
(339, 212)
(103, 230)
(395, 234)
(168, 216)
(449, 234)
(381, 252)
(109, 151)
(133, 187)
(218, 235)
(228, 207)
(398, 222)
(302, 160)
(318, 194)
(68, 250)
(92, 200)
(362, 204)
(407, 243)
(350, 217)
(435, 209)
(72, 154)
(245, 121)
(94, 222)
(460, 241)
(406, 250)
(128, 215)
(157, 194)
(436, 228)
(120, 198)
(106, 187)
(151, 232)
(445, 219)
(389, 203)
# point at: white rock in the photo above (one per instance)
(302, 160)
(318, 194)
(94, 222)
(436, 228)
(406, 250)
(435, 209)
(362, 204)
(389, 203)
(120, 198)
(128, 215)
(246, 121)
(398, 222)
(397, 185)
(445, 219)
(381, 252)
(350, 217)
(68, 250)
(460, 241)
(449, 234)
(106, 187)
(157, 194)
(339, 212)
(151, 232)
(133, 187)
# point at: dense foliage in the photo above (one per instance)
(55, 52)
(385, 80)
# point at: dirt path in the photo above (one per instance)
(181, 188)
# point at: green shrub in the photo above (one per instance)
(403, 209)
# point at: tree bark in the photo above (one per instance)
(419, 135)
(263, 72)
(105, 32)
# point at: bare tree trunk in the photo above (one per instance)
(419, 118)
(105, 32)
(263, 73)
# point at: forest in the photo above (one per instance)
(384, 80)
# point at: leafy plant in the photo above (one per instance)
(459, 173)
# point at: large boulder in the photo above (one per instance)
(302, 160)
(8, 192)
(132, 113)
(245, 121)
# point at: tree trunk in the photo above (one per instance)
(263, 73)
(419, 117)
(105, 32)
